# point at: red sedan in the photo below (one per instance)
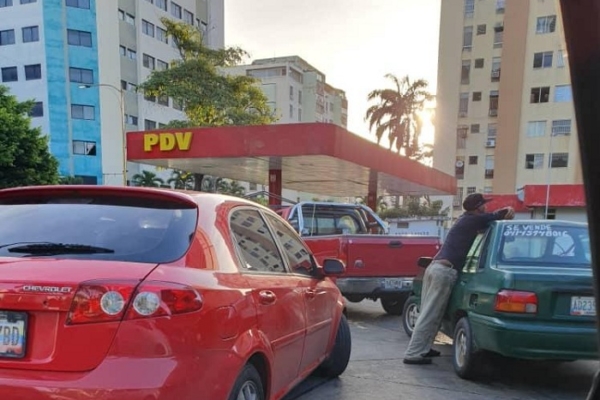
(141, 294)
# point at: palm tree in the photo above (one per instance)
(382, 205)
(232, 188)
(182, 180)
(397, 113)
(148, 179)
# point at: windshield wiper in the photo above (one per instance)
(57, 248)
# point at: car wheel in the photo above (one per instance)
(393, 305)
(248, 385)
(410, 315)
(354, 298)
(336, 363)
(466, 359)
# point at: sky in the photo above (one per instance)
(353, 42)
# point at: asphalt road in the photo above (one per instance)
(376, 370)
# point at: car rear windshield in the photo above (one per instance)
(128, 229)
(545, 244)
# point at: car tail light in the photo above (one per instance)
(513, 301)
(100, 301)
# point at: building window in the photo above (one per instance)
(536, 128)
(88, 179)
(560, 59)
(469, 8)
(562, 94)
(131, 54)
(10, 74)
(131, 119)
(498, 35)
(494, 102)
(488, 189)
(476, 96)
(496, 62)
(28, 1)
(461, 137)
(149, 97)
(561, 127)
(463, 105)
(162, 4)
(85, 4)
(291, 111)
(163, 100)
(84, 148)
(458, 198)
(542, 60)
(534, 161)
(291, 92)
(481, 29)
(80, 111)
(149, 124)
(128, 86)
(299, 96)
(37, 110)
(540, 95)
(149, 61)
(550, 214)
(492, 131)
(7, 37)
(559, 160)
(489, 167)
(81, 75)
(465, 72)
(79, 38)
(6, 3)
(467, 38)
(161, 35)
(178, 105)
(500, 6)
(475, 128)
(299, 115)
(546, 24)
(188, 17)
(471, 190)
(33, 72)
(175, 10)
(31, 34)
(479, 62)
(459, 168)
(147, 28)
(161, 65)
(473, 160)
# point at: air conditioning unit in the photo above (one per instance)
(493, 113)
(496, 73)
(490, 143)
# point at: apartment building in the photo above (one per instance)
(81, 61)
(297, 92)
(505, 119)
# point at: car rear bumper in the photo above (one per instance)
(374, 286)
(535, 340)
(117, 379)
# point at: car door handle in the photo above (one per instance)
(266, 297)
(395, 244)
(310, 293)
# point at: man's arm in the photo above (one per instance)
(503, 213)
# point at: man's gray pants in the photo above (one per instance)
(438, 282)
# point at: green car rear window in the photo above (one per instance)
(545, 244)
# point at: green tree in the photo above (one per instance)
(181, 180)
(25, 157)
(199, 83)
(147, 179)
(397, 113)
(232, 188)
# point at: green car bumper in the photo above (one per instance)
(535, 340)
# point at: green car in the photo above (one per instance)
(524, 292)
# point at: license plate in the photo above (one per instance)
(13, 333)
(396, 283)
(583, 306)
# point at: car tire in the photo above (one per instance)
(337, 361)
(410, 314)
(393, 305)
(248, 385)
(465, 358)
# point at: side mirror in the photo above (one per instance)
(424, 262)
(305, 232)
(333, 267)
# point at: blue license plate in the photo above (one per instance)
(584, 306)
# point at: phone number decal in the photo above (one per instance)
(534, 230)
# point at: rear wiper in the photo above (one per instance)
(58, 248)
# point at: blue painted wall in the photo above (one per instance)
(59, 57)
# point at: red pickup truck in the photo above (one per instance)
(378, 265)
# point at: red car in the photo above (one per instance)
(138, 294)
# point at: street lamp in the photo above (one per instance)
(122, 108)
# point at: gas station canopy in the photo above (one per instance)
(311, 157)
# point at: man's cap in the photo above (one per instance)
(473, 201)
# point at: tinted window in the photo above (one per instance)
(545, 245)
(297, 255)
(257, 246)
(150, 233)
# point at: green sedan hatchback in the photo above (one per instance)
(524, 292)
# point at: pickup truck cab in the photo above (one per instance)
(525, 292)
(378, 265)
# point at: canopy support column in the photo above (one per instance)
(275, 186)
(372, 194)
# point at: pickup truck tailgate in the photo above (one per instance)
(386, 255)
